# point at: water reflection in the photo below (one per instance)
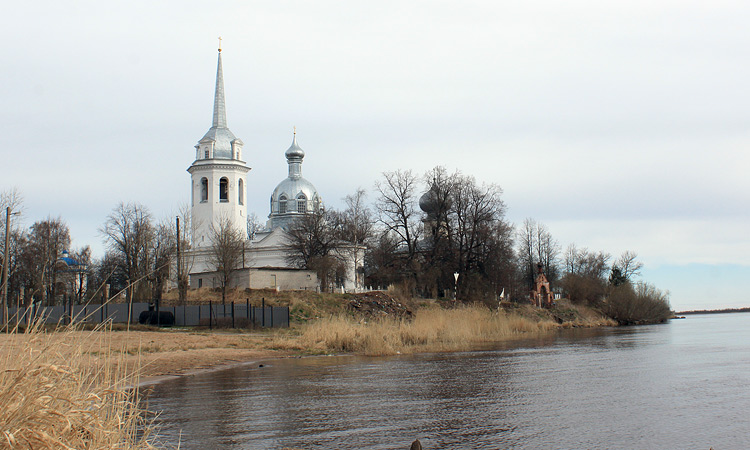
(670, 386)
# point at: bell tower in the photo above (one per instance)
(218, 175)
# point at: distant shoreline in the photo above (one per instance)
(713, 311)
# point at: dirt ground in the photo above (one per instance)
(172, 353)
(166, 352)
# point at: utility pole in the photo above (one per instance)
(180, 287)
(6, 260)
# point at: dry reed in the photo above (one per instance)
(431, 330)
(53, 397)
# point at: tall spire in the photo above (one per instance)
(219, 142)
(220, 112)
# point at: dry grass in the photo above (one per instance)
(431, 330)
(52, 397)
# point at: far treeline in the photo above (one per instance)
(420, 231)
(714, 311)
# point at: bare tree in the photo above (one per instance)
(537, 246)
(479, 229)
(162, 249)
(128, 232)
(628, 266)
(436, 275)
(254, 225)
(571, 259)
(585, 278)
(226, 252)
(356, 230)
(11, 203)
(185, 258)
(44, 244)
(397, 213)
(311, 243)
(12, 199)
(548, 251)
(637, 304)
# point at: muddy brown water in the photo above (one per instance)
(682, 385)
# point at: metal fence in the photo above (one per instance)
(229, 315)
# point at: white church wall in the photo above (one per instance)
(263, 278)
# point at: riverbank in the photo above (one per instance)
(161, 352)
(169, 352)
(82, 378)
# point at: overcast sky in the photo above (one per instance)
(620, 126)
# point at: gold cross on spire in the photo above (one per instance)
(219, 44)
(295, 130)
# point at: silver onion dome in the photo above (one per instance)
(294, 151)
(295, 195)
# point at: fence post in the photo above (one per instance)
(287, 317)
(271, 309)
(263, 312)
(210, 315)
(233, 314)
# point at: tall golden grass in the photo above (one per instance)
(53, 397)
(431, 330)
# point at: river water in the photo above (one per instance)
(682, 385)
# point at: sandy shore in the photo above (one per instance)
(166, 354)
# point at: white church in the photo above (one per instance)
(218, 180)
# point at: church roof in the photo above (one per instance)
(219, 133)
(295, 151)
(293, 187)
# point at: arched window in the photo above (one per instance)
(206, 153)
(241, 195)
(223, 190)
(282, 204)
(204, 190)
(301, 204)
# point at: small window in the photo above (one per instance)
(223, 190)
(241, 194)
(200, 282)
(301, 204)
(206, 154)
(204, 190)
(282, 204)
